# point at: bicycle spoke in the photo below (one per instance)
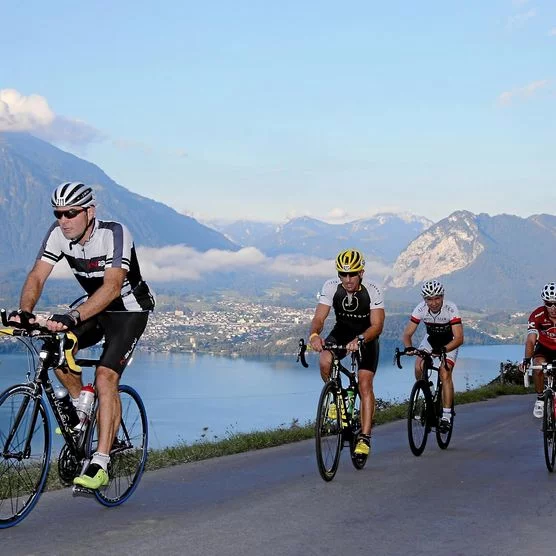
(417, 426)
(24, 453)
(129, 450)
(328, 434)
(549, 431)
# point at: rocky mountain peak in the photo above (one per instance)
(447, 246)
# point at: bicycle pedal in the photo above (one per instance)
(78, 490)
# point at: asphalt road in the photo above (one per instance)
(488, 494)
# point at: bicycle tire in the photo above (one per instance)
(443, 437)
(22, 478)
(328, 432)
(549, 432)
(420, 405)
(129, 451)
(357, 461)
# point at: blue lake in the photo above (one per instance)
(189, 397)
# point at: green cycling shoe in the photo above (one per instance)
(94, 477)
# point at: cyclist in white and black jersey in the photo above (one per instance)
(444, 330)
(359, 309)
(103, 259)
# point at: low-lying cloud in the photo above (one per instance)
(181, 263)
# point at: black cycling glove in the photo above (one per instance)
(69, 320)
(24, 318)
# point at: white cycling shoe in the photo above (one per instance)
(538, 409)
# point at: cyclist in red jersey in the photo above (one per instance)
(540, 345)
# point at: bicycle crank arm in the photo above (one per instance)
(82, 491)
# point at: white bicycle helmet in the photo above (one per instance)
(549, 292)
(432, 288)
(73, 194)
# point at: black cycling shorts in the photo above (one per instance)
(369, 350)
(543, 351)
(121, 332)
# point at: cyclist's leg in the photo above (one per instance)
(446, 377)
(366, 374)
(88, 334)
(366, 391)
(122, 332)
(424, 345)
(325, 362)
(541, 355)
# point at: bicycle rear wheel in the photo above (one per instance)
(24, 453)
(128, 455)
(443, 436)
(549, 431)
(328, 432)
(420, 404)
(358, 461)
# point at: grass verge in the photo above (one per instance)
(236, 443)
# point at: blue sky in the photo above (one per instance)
(265, 110)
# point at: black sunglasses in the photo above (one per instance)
(550, 303)
(346, 274)
(69, 214)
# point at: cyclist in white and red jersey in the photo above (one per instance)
(359, 309)
(102, 257)
(444, 331)
(540, 344)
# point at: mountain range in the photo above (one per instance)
(380, 237)
(30, 169)
(486, 262)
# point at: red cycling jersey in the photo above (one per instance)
(543, 326)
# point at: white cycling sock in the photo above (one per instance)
(101, 459)
(447, 412)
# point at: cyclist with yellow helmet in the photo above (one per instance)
(359, 308)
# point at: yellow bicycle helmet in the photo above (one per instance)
(350, 260)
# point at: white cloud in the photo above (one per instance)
(507, 97)
(33, 114)
(20, 113)
(519, 20)
(338, 215)
(552, 32)
(181, 263)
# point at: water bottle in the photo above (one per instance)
(350, 400)
(85, 405)
(67, 409)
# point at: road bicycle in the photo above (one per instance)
(549, 411)
(425, 404)
(338, 420)
(26, 431)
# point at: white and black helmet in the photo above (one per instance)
(73, 194)
(549, 292)
(432, 288)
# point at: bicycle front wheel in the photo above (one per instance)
(128, 455)
(549, 432)
(24, 453)
(420, 404)
(328, 432)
